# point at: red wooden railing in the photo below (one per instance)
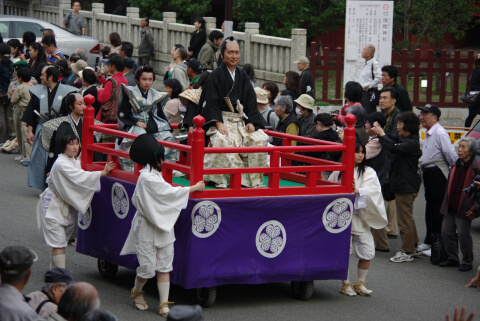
(420, 66)
(192, 165)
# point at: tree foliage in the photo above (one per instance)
(430, 20)
(278, 17)
(186, 10)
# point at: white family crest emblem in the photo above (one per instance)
(206, 218)
(338, 215)
(271, 239)
(85, 219)
(120, 202)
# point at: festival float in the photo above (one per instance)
(295, 229)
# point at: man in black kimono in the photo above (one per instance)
(228, 102)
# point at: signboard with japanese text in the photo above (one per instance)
(367, 22)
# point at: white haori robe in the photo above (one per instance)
(70, 191)
(158, 207)
(369, 212)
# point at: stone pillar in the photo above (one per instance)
(299, 46)
(32, 3)
(2, 7)
(62, 5)
(251, 28)
(132, 12)
(96, 8)
(168, 17)
(210, 23)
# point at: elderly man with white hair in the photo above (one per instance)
(288, 120)
(458, 206)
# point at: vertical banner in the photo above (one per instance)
(367, 22)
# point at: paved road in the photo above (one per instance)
(408, 291)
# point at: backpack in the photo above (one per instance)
(110, 108)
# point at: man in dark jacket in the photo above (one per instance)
(458, 206)
(389, 79)
(307, 81)
(146, 43)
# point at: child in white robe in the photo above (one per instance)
(369, 212)
(70, 191)
(158, 207)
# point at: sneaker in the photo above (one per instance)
(465, 268)
(420, 249)
(177, 174)
(26, 164)
(10, 148)
(401, 257)
(24, 160)
(427, 253)
(18, 158)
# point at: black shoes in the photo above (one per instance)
(449, 263)
(465, 268)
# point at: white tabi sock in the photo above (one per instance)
(347, 280)
(163, 291)
(362, 275)
(59, 260)
(138, 285)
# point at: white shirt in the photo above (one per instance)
(365, 77)
(437, 143)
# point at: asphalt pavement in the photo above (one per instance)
(401, 291)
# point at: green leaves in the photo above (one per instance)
(185, 9)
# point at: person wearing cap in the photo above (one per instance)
(78, 67)
(193, 72)
(69, 193)
(206, 57)
(229, 106)
(79, 299)
(146, 49)
(438, 154)
(305, 114)
(185, 313)
(128, 71)
(307, 81)
(151, 235)
(15, 271)
(369, 77)
(45, 301)
(262, 104)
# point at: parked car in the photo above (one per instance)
(15, 26)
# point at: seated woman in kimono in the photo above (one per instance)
(70, 191)
(140, 112)
(369, 212)
(151, 235)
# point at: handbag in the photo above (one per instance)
(469, 98)
(110, 108)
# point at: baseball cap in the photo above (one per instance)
(57, 275)
(430, 108)
(16, 259)
(302, 60)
